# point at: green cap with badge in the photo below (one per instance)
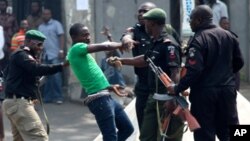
(155, 14)
(35, 35)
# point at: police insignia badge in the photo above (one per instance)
(171, 50)
(191, 52)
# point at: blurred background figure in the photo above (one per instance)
(219, 10)
(19, 37)
(2, 41)
(53, 53)
(35, 17)
(113, 74)
(225, 24)
(2, 95)
(9, 24)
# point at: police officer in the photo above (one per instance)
(165, 54)
(213, 56)
(137, 34)
(21, 90)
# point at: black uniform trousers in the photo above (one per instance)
(215, 109)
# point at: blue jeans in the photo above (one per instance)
(52, 89)
(110, 116)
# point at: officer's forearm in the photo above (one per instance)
(135, 61)
(175, 75)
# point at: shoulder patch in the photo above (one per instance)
(191, 52)
(171, 50)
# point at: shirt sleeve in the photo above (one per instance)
(59, 28)
(31, 66)
(238, 61)
(224, 12)
(194, 64)
(76, 50)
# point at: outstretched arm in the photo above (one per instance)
(137, 61)
(106, 46)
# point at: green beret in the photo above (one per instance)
(35, 34)
(155, 14)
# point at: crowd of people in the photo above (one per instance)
(37, 49)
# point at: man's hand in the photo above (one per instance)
(114, 61)
(117, 90)
(61, 54)
(171, 89)
(128, 43)
(65, 63)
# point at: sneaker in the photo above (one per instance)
(59, 102)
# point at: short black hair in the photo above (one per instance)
(39, 2)
(204, 12)
(75, 29)
(223, 18)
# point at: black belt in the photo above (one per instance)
(13, 96)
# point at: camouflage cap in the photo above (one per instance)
(35, 34)
(155, 14)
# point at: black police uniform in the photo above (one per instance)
(213, 57)
(22, 74)
(166, 55)
(141, 87)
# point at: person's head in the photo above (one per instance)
(24, 25)
(142, 9)
(47, 15)
(3, 6)
(35, 7)
(224, 23)
(79, 33)
(34, 40)
(200, 16)
(155, 20)
(211, 2)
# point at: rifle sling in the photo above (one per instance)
(163, 134)
(39, 96)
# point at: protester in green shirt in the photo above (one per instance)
(109, 114)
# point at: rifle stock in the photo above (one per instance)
(182, 109)
(192, 122)
(182, 103)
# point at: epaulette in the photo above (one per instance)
(130, 29)
(167, 40)
(233, 33)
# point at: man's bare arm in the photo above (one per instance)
(107, 46)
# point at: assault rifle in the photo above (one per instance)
(182, 103)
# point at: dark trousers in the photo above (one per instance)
(140, 104)
(215, 109)
(111, 119)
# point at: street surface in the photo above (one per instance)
(72, 121)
